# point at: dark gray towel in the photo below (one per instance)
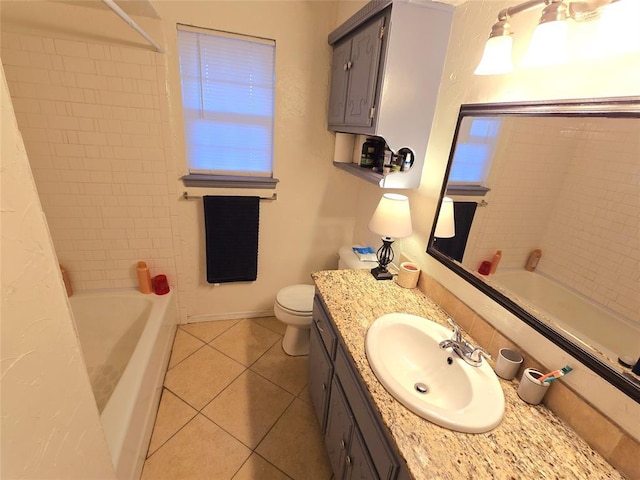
(231, 227)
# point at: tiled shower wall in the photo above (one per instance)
(571, 191)
(91, 118)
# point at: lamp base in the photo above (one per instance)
(381, 273)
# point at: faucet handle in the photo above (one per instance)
(457, 336)
(477, 354)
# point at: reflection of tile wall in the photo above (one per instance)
(90, 116)
(602, 190)
(608, 439)
(544, 193)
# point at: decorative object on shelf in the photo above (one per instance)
(549, 42)
(391, 219)
(446, 226)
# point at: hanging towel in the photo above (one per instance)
(231, 230)
(463, 213)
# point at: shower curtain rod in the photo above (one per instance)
(123, 15)
(186, 196)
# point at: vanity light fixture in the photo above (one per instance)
(391, 219)
(446, 225)
(548, 44)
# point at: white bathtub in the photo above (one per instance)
(581, 318)
(126, 339)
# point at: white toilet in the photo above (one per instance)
(294, 307)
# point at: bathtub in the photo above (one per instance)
(582, 319)
(126, 340)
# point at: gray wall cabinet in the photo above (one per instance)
(355, 438)
(387, 66)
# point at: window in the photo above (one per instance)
(227, 98)
(475, 146)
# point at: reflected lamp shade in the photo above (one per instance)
(392, 217)
(496, 58)
(446, 225)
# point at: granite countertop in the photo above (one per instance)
(530, 443)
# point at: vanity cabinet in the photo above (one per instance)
(387, 65)
(355, 438)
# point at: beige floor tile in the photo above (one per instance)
(203, 375)
(287, 372)
(207, 331)
(201, 450)
(248, 408)
(272, 323)
(183, 345)
(257, 468)
(173, 414)
(295, 444)
(305, 396)
(245, 342)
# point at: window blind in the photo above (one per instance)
(228, 101)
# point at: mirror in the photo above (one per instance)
(550, 194)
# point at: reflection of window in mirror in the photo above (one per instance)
(475, 147)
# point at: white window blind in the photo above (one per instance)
(227, 98)
(475, 146)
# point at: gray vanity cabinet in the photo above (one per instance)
(355, 438)
(354, 76)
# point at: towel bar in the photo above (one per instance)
(186, 196)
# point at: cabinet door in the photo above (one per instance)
(338, 89)
(358, 465)
(366, 46)
(320, 372)
(339, 429)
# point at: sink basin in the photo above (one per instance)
(433, 383)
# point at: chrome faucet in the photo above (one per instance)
(470, 354)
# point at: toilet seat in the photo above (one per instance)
(296, 299)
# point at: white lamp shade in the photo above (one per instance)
(548, 45)
(446, 226)
(496, 59)
(617, 31)
(392, 217)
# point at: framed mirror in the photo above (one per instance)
(546, 222)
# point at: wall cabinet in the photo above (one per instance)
(386, 70)
(355, 438)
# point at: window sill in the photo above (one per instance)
(227, 181)
(467, 190)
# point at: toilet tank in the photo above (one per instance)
(348, 260)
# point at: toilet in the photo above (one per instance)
(294, 307)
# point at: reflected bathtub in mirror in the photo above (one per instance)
(562, 178)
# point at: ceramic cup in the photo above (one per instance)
(532, 390)
(508, 363)
(408, 275)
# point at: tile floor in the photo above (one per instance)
(235, 406)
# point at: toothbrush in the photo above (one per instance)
(554, 375)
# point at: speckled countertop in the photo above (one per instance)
(530, 443)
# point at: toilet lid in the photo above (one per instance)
(298, 298)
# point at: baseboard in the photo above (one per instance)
(213, 317)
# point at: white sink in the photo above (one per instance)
(435, 384)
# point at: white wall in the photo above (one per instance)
(102, 119)
(49, 421)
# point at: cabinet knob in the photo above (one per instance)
(347, 460)
(324, 387)
(345, 67)
(318, 325)
(342, 444)
(349, 64)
